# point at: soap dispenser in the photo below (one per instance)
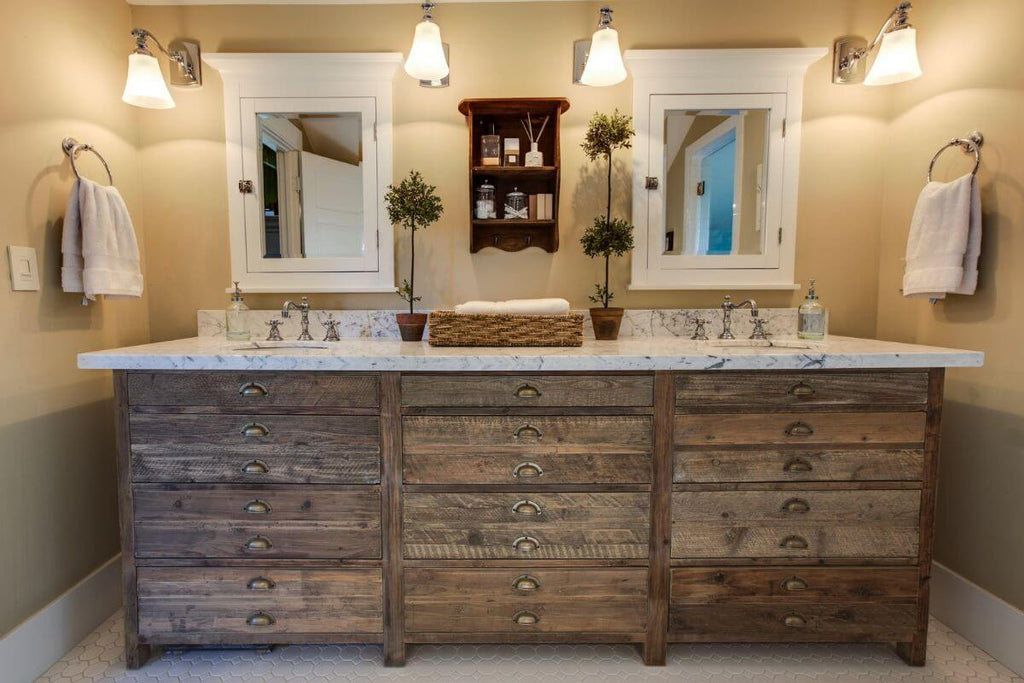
(234, 318)
(812, 317)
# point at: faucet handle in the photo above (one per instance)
(700, 332)
(275, 331)
(759, 330)
(332, 329)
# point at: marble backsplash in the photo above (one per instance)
(378, 324)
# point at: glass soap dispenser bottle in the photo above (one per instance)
(812, 317)
(234, 318)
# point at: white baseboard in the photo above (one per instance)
(42, 639)
(996, 626)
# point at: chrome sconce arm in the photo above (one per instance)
(900, 62)
(183, 53)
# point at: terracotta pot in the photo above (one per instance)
(411, 325)
(606, 322)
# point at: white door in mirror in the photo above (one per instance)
(24, 269)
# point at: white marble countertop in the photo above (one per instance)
(657, 353)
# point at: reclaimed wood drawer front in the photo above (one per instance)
(700, 585)
(779, 465)
(527, 391)
(220, 600)
(526, 525)
(771, 389)
(231, 521)
(254, 390)
(527, 435)
(512, 468)
(525, 601)
(875, 622)
(255, 448)
(799, 428)
(796, 524)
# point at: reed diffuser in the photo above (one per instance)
(534, 157)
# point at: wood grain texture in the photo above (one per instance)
(298, 389)
(761, 429)
(793, 584)
(655, 640)
(532, 470)
(276, 448)
(536, 435)
(564, 600)
(528, 391)
(221, 600)
(798, 464)
(772, 390)
(484, 526)
(391, 518)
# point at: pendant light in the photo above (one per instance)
(145, 85)
(896, 61)
(426, 61)
(604, 63)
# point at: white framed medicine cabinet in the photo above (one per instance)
(715, 166)
(309, 158)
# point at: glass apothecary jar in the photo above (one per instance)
(516, 206)
(485, 207)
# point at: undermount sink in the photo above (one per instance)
(284, 344)
(760, 343)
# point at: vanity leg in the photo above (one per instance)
(913, 653)
(659, 577)
(391, 508)
(135, 656)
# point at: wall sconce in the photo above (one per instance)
(426, 61)
(145, 85)
(598, 61)
(897, 53)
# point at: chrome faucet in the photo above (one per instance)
(727, 308)
(303, 308)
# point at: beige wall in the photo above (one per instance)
(183, 157)
(972, 56)
(65, 63)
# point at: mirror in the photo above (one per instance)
(715, 162)
(311, 184)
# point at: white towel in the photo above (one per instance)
(945, 240)
(515, 307)
(101, 254)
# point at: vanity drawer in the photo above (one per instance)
(520, 601)
(702, 585)
(526, 526)
(780, 465)
(253, 390)
(527, 435)
(514, 468)
(258, 600)
(799, 428)
(255, 448)
(785, 389)
(234, 521)
(527, 390)
(796, 524)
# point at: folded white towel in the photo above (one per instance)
(515, 307)
(101, 254)
(945, 240)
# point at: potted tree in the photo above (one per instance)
(414, 205)
(607, 236)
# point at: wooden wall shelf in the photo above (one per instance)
(503, 116)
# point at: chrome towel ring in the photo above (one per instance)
(72, 147)
(971, 144)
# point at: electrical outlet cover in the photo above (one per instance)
(24, 269)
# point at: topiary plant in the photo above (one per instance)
(414, 205)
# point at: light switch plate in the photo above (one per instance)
(24, 269)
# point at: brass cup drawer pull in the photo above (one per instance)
(794, 543)
(527, 430)
(261, 619)
(255, 429)
(258, 543)
(526, 544)
(257, 507)
(255, 467)
(254, 389)
(525, 584)
(796, 505)
(525, 618)
(797, 465)
(799, 429)
(527, 390)
(794, 621)
(802, 390)
(261, 583)
(527, 508)
(794, 583)
(527, 470)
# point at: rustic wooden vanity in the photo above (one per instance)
(393, 507)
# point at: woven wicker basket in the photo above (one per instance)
(447, 328)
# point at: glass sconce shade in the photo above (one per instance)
(604, 65)
(897, 59)
(145, 86)
(426, 60)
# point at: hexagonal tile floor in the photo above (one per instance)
(950, 658)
